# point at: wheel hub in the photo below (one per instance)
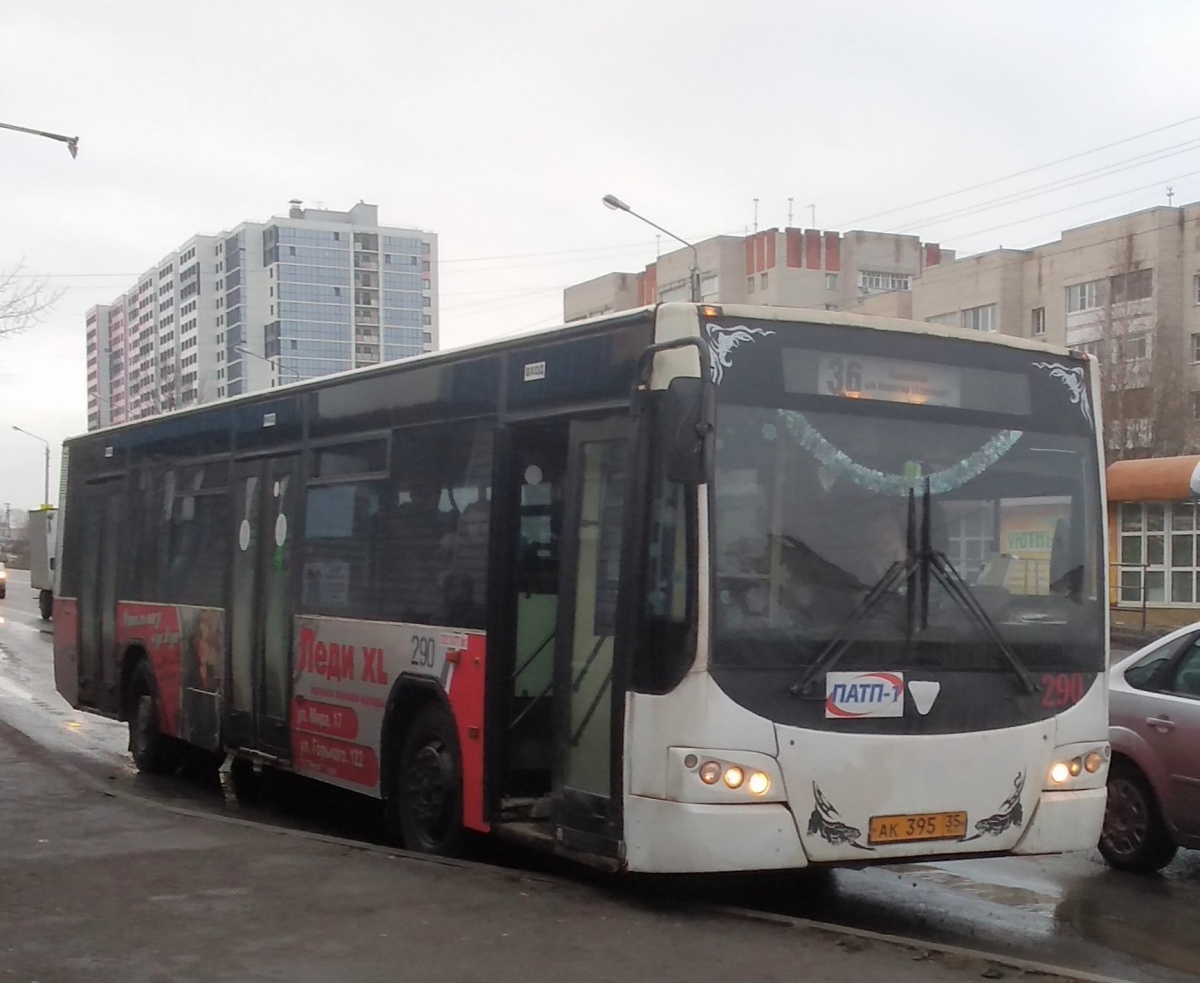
(1126, 818)
(427, 788)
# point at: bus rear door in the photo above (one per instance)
(266, 496)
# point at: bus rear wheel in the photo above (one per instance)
(427, 788)
(153, 753)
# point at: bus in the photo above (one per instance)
(688, 588)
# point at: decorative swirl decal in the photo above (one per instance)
(1009, 815)
(1074, 378)
(825, 823)
(721, 343)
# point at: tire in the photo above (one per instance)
(425, 804)
(46, 604)
(248, 784)
(153, 753)
(1134, 836)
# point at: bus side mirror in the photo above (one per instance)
(684, 431)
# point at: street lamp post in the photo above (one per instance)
(71, 142)
(46, 497)
(617, 205)
(278, 366)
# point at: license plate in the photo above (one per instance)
(918, 826)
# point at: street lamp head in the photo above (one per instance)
(73, 146)
(615, 203)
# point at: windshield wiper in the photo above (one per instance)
(828, 657)
(926, 561)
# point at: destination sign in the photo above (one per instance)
(863, 377)
(848, 375)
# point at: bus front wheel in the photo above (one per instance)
(46, 604)
(427, 785)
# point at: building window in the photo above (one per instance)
(1085, 296)
(1196, 288)
(980, 318)
(1158, 552)
(949, 318)
(831, 281)
(749, 284)
(763, 281)
(1037, 321)
(872, 281)
(1135, 285)
(1135, 347)
(1196, 406)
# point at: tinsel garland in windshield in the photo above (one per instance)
(940, 482)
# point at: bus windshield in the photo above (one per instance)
(815, 506)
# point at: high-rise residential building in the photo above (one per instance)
(778, 267)
(264, 304)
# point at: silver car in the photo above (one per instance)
(1154, 727)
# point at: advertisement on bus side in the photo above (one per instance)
(186, 646)
(344, 672)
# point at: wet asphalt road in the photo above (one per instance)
(1068, 910)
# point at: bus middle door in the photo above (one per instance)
(266, 494)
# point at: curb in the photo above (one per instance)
(914, 945)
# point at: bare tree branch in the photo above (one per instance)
(1147, 403)
(25, 300)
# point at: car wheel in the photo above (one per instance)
(1134, 836)
(153, 753)
(427, 789)
(46, 604)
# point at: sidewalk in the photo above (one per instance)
(103, 889)
(1126, 628)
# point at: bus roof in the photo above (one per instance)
(588, 326)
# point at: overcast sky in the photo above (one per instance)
(500, 125)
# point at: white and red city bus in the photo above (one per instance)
(687, 588)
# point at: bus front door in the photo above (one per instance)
(266, 494)
(589, 713)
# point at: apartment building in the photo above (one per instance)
(299, 296)
(782, 267)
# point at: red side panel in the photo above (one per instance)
(833, 251)
(760, 253)
(933, 254)
(771, 237)
(652, 283)
(66, 648)
(812, 249)
(467, 697)
(795, 243)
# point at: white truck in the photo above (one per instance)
(42, 531)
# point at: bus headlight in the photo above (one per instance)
(722, 777)
(1078, 766)
(760, 783)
